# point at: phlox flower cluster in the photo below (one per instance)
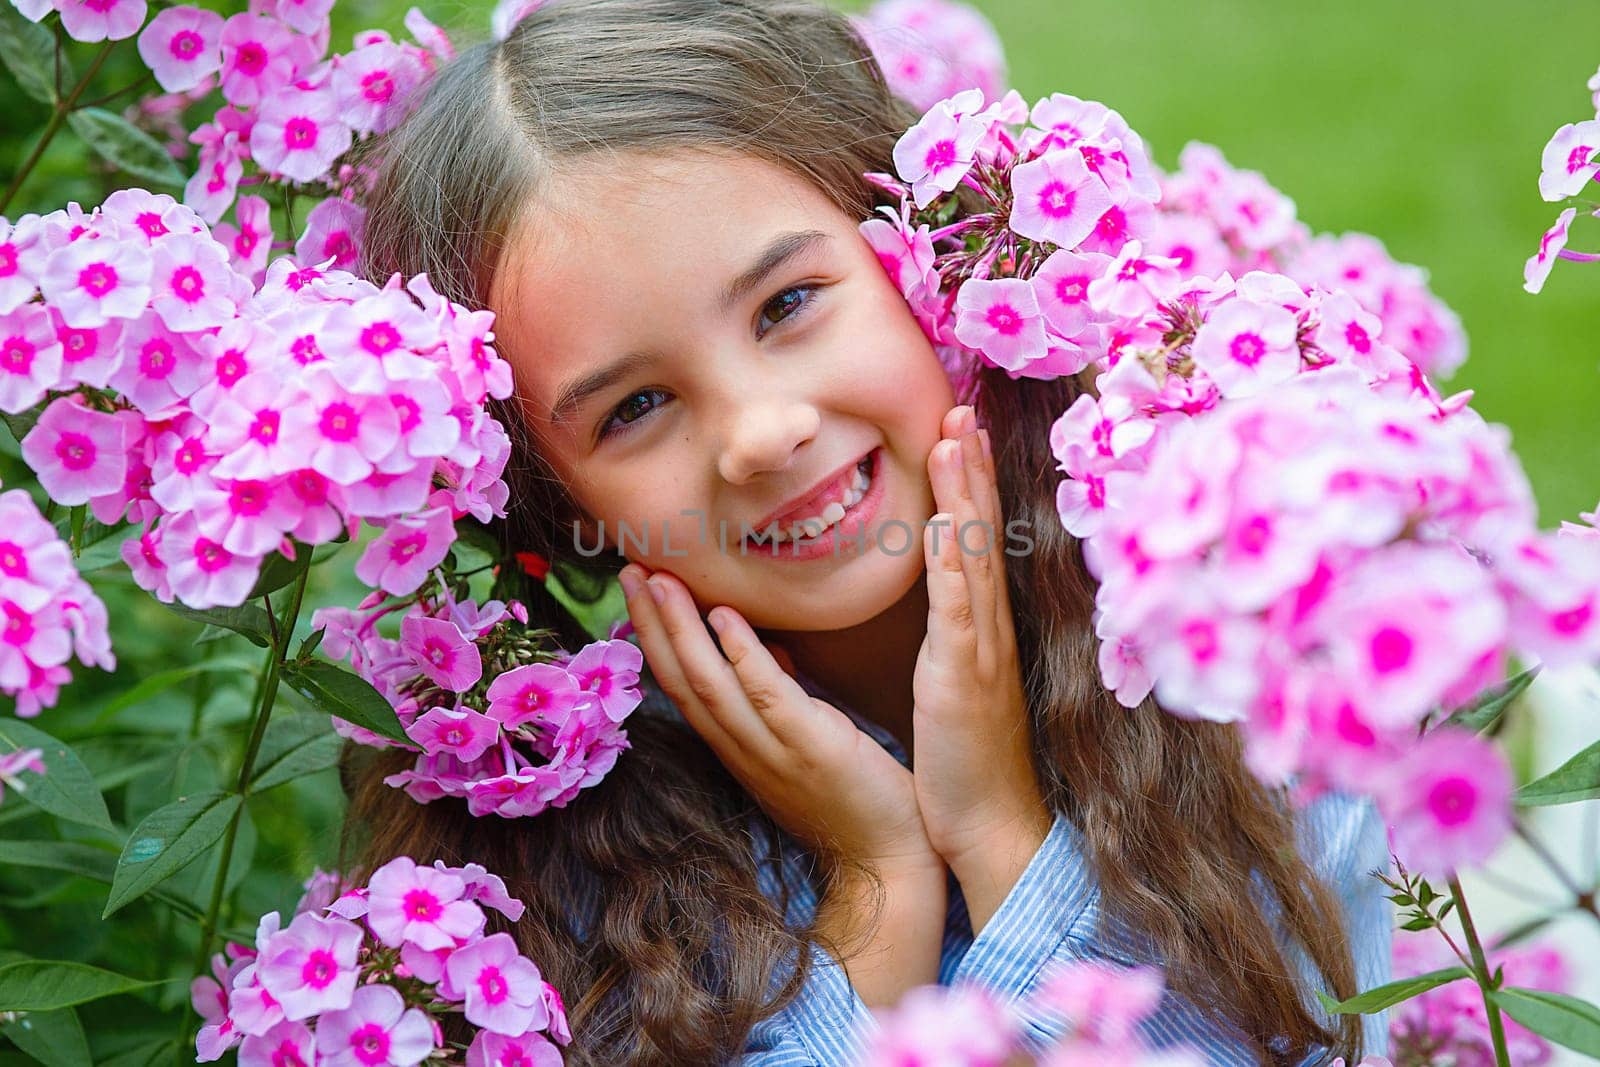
(1043, 241)
(1449, 1024)
(12, 764)
(234, 421)
(360, 977)
(48, 614)
(1094, 1009)
(493, 717)
(932, 49)
(1570, 162)
(1328, 564)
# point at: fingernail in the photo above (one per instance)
(658, 590)
(969, 419)
(629, 578)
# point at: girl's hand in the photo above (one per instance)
(975, 781)
(826, 782)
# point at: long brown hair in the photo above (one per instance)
(684, 953)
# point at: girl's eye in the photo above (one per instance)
(626, 407)
(792, 301)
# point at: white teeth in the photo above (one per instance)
(812, 526)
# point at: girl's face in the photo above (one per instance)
(737, 342)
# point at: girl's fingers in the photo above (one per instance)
(1002, 590)
(775, 698)
(973, 541)
(950, 620)
(656, 644)
(714, 682)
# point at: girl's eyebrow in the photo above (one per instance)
(572, 396)
(782, 249)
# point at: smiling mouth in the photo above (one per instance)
(807, 529)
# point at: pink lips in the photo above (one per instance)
(811, 503)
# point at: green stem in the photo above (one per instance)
(59, 115)
(1480, 964)
(268, 694)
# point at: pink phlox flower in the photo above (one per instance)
(433, 40)
(309, 17)
(1538, 267)
(332, 231)
(609, 670)
(249, 244)
(1057, 199)
(444, 654)
(372, 85)
(35, 564)
(1134, 284)
(1206, 662)
(1121, 662)
(1001, 319)
(376, 1030)
(961, 1024)
(1061, 285)
(321, 889)
(184, 462)
(201, 572)
(248, 424)
(352, 904)
(286, 1044)
(1246, 347)
(20, 260)
(486, 888)
(378, 340)
(1569, 160)
(94, 280)
(1093, 434)
(1194, 241)
(258, 58)
(939, 151)
(344, 433)
(382, 495)
(182, 45)
(249, 517)
(142, 554)
(76, 451)
(399, 559)
(149, 216)
(86, 615)
(211, 189)
(1104, 1002)
(507, 13)
(464, 733)
(299, 133)
(193, 286)
(30, 357)
(533, 1049)
(1552, 585)
(542, 693)
(930, 49)
(160, 367)
(251, 1008)
(101, 20)
(421, 905)
(907, 256)
(1448, 802)
(557, 1027)
(503, 991)
(310, 965)
(1345, 331)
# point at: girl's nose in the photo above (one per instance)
(762, 435)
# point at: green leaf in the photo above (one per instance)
(161, 681)
(125, 145)
(276, 572)
(28, 50)
(1577, 779)
(336, 691)
(1486, 708)
(166, 840)
(54, 1038)
(1565, 1020)
(48, 985)
(246, 619)
(1385, 996)
(295, 746)
(66, 788)
(86, 861)
(147, 1054)
(21, 423)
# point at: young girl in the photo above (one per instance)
(891, 761)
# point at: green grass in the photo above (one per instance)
(1418, 122)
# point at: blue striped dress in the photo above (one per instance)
(1053, 915)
